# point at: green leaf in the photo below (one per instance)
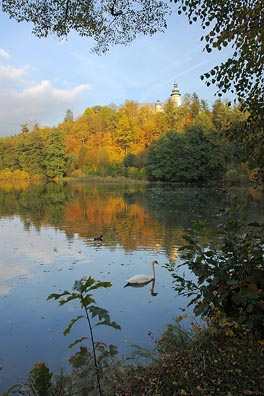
(8, 392)
(100, 312)
(71, 297)
(56, 296)
(72, 322)
(77, 341)
(113, 351)
(100, 284)
(108, 323)
(82, 285)
(86, 301)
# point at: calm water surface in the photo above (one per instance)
(46, 239)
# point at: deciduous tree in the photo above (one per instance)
(185, 157)
(240, 25)
(108, 22)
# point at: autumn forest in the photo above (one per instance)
(187, 144)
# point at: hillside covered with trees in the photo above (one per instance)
(190, 143)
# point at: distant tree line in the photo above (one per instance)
(237, 25)
(186, 144)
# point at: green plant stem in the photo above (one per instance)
(93, 347)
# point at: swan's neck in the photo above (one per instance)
(153, 270)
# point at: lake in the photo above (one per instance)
(47, 242)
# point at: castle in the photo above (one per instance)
(158, 107)
(175, 98)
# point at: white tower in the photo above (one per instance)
(175, 95)
(158, 107)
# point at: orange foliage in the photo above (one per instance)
(73, 144)
(104, 135)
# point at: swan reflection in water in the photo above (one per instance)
(152, 289)
(141, 280)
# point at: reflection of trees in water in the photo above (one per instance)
(37, 205)
(183, 205)
(133, 216)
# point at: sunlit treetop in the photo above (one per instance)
(108, 22)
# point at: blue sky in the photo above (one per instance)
(41, 78)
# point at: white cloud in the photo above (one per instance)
(10, 73)
(25, 101)
(22, 253)
(4, 54)
(45, 89)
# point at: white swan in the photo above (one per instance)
(140, 279)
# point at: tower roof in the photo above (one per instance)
(175, 90)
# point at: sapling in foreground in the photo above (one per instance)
(83, 291)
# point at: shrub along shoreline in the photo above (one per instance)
(205, 361)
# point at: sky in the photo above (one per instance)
(40, 79)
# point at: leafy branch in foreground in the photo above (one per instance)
(82, 291)
(228, 273)
(107, 22)
(239, 25)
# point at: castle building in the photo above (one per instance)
(175, 98)
(158, 106)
